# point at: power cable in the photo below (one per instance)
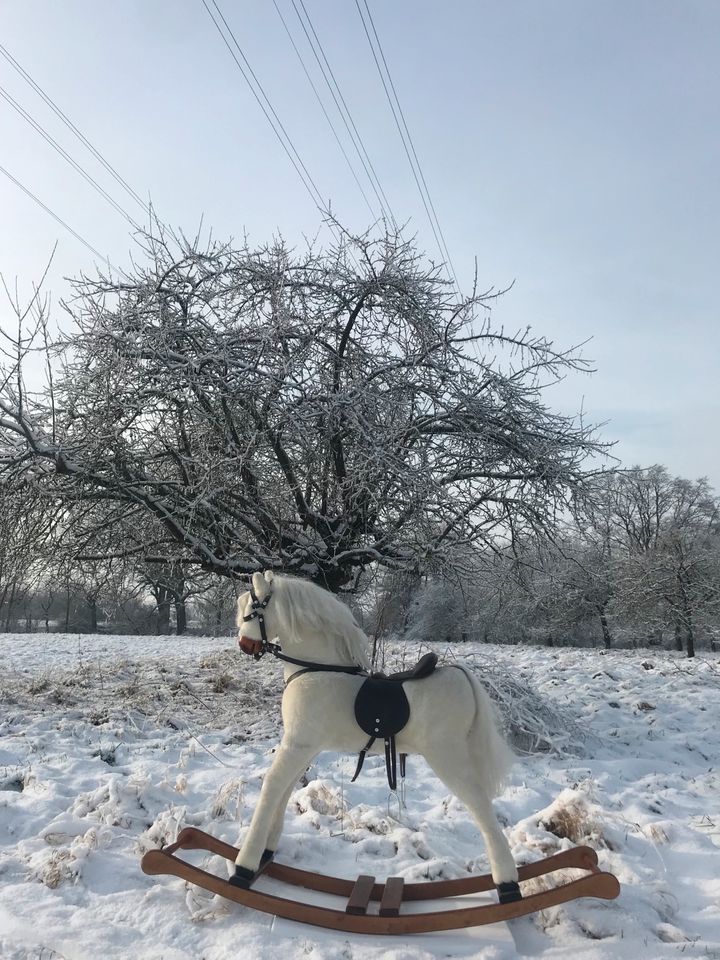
(278, 130)
(407, 139)
(276, 124)
(54, 215)
(322, 107)
(66, 156)
(344, 112)
(71, 126)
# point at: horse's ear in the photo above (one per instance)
(269, 576)
(259, 584)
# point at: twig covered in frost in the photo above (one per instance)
(533, 724)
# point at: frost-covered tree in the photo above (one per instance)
(541, 592)
(317, 412)
(100, 534)
(26, 536)
(437, 611)
(215, 605)
(664, 534)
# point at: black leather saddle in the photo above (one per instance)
(382, 710)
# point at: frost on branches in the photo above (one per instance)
(315, 412)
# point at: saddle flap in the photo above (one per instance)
(381, 707)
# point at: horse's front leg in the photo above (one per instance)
(278, 822)
(289, 764)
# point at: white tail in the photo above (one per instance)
(488, 746)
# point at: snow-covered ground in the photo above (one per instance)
(108, 745)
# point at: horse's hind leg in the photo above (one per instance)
(288, 765)
(458, 772)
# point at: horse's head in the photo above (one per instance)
(255, 619)
(295, 611)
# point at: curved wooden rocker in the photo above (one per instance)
(354, 918)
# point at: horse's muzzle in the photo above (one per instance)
(251, 647)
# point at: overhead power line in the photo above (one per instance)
(266, 106)
(273, 119)
(405, 136)
(54, 215)
(71, 126)
(66, 156)
(343, 109)
(322, 107)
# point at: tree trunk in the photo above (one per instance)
(690, 640)
(607, 636)
(332, 579)
(3, 594)
(10, 604)
(162, 598)
(689, 631)
(45, 607)
(678, 636)
(92, 613)
(180, 616)
(687, 619)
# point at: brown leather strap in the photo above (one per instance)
(361, 758)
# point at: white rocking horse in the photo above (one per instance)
(451, 719)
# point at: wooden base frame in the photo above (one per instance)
(354, 918)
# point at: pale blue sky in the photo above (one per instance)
(571, 145)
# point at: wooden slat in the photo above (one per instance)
(360, 897)
(392, 897)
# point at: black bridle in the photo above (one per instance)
(257, 612)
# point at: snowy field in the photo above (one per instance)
(108, 745)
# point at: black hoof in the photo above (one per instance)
(242, 878)
(508, 892)
(266, 857)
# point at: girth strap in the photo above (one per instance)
(390, 761)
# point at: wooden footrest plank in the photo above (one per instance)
(360, 897)
(392, 897)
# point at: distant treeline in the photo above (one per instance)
(635, 562)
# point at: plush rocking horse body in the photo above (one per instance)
(451, 720)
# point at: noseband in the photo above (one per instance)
(257, 612)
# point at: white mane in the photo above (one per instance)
(305, 612)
